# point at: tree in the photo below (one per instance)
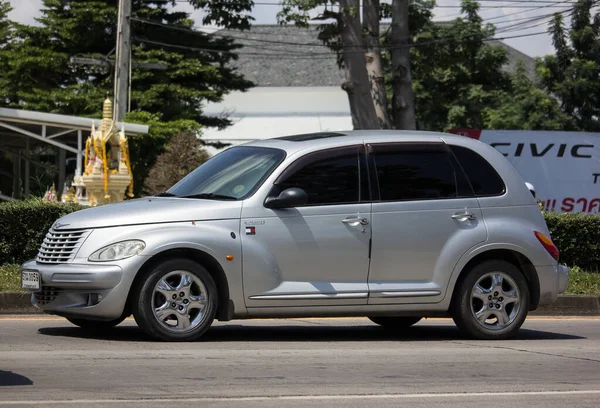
(572, 74)
(344, 36)
(6, 33)
(456, 73)
(371, 15)
(403, 109)
(526, 106)
(182, 154)
(40, 75)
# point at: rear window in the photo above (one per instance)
(484, 179)
(415, 172)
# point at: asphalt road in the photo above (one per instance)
(47, 362)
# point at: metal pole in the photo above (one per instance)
(123, 63)
(79, 154)
(27, 167)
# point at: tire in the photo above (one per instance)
(482, 288)
(95, 324)
(175, 301)
(395, 322)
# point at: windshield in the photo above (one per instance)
(233, 174)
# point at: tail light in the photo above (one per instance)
(548, 244)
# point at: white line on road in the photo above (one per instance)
(305, 397)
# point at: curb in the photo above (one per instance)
(571, 305)
(565, 305)
(17, 303)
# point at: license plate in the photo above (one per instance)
(30, 280)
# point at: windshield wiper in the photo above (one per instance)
(210, 196)
(164, 194)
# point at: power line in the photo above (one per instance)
(321, 55)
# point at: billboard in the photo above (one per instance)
(564, 167)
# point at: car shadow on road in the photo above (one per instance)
(235, 332)
(8, 378)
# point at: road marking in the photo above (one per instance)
(304, 397)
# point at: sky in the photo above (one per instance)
(512, 18)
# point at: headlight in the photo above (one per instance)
(118, 251)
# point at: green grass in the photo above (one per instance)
(580, 281)
(10, 278)
(583, 283)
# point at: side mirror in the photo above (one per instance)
(291, 197)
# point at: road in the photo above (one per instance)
(45, 361)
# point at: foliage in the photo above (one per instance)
(23, 225)
(6, 33)
(572, 73)
(183, 154)
(577, 237)
(583, 282)
(10, 278)
(456, 73)
(42, 77)
(526, 106)
(146, 148)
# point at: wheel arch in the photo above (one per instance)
(512, 256)
(225, 307)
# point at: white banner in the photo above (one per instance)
(564, 167)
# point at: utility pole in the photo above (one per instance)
(123, 60)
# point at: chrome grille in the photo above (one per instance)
(47, 295)
(60, 247)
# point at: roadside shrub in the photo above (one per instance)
(23, 225)
(577, 237)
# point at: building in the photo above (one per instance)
(298, 90)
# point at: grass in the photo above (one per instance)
(583, 283)
(10, 278)
(580, 281)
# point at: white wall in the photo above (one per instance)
(266, 112)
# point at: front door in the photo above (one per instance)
(317, 254)
(426, 217)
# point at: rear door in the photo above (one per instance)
(424, 218)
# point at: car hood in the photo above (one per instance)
(148, 211)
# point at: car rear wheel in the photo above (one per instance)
(95, 324)
(175, 301)
(492, 301)
(395, 322)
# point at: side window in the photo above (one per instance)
(330, 177)
(417, 172)
(484, 179)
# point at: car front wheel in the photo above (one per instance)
(492, 301)
(175, 301)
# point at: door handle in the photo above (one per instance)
(463, 216)
(355, 221)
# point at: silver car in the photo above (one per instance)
(393, 226)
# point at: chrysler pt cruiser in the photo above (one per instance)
(393, 226)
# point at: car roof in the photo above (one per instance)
(324, 140)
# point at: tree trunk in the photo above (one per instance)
(357, 80)
(373, 61)
(403, 108)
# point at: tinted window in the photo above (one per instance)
(414, 172)
(328, 178)
(484, 179)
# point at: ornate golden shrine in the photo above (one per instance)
(107, 169)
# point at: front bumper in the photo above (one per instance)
(80, 290)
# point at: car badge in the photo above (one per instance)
(59, 225)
